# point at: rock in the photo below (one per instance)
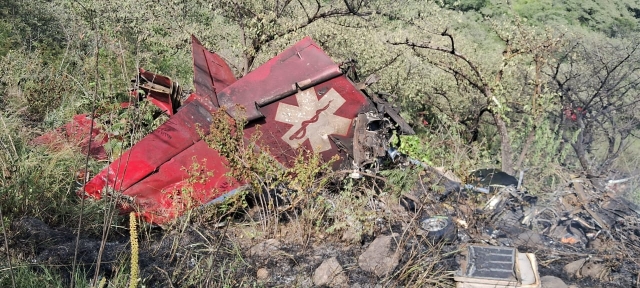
(330, 273)
(529, 238)
(265, 248)
(262, 274)
(573, 268)
(592, 270)
(552, 282)
(379, 257)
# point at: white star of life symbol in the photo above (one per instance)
(313, 119)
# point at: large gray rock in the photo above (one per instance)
(330, 273)
(552, 282)
(380, 257)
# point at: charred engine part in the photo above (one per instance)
(385, 108)
(371, 138)
(495, 177)
(510, 198)
(373, 131)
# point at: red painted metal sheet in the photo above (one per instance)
(171, 138)
(158, 90)
(300, 98)
(308, 118)
(298, 67)
(192, 178)
(76, 132)
(210, 72)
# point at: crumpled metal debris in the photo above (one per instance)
(503, 267)
(300, 99)
(488, 180)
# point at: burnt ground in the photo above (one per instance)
(242, 252)
(172, 258)
(177, 258)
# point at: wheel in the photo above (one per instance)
(439, 228)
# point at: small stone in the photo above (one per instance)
(379, 257)
(592, 270)
(330, 273)
(552, 282)
(262, 274)
(265, 248)
(573, 268)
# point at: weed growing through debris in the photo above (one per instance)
(281, 191)
(422, 266)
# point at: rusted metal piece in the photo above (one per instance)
(77, 132)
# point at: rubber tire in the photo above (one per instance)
(439, 228)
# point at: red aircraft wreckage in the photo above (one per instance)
(300, 99)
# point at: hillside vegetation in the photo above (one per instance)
(548, 87)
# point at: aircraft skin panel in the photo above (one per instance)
(171, 138)
(299, 98)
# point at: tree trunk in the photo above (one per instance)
(505, 144)
(527, 145)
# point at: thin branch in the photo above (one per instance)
(304, 9)
(451, 51)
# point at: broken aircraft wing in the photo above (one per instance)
(300, 98)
